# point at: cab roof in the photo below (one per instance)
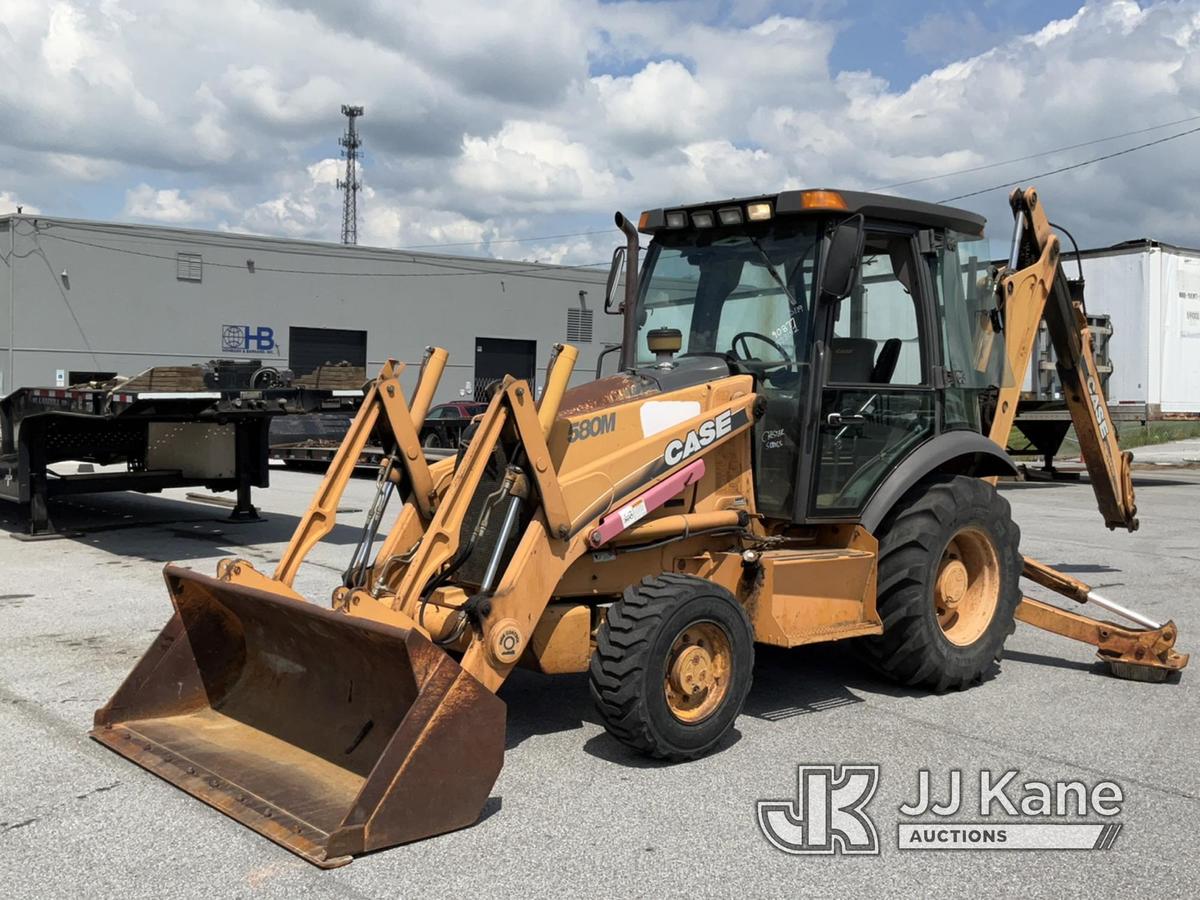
(826, 200)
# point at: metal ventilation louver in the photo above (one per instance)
(579, 326)
(189, 266)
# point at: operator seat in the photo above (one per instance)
(885, 364)
(853, 360)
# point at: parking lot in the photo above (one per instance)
(574, 812)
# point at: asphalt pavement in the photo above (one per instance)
(574, 813)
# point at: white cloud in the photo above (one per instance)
(528, 165)
(172, 206)
(659, 106)
(486, 124)
(82, 169)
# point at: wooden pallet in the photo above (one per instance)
(166, 378)
(333, 377)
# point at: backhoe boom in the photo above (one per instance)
(1034, 288)
(1040, 291)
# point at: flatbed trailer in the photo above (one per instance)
(215, 438)
(318, 454)
(310, 442)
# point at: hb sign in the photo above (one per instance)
(247, 339)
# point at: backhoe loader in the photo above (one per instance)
(801, 444)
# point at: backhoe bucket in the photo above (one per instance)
(330, 735)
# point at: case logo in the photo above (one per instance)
(696, 440)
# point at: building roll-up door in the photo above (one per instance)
(309, 348)
(497, 357)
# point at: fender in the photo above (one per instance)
(953, 452)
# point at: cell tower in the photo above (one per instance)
(350, 142)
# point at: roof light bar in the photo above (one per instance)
(758, 212)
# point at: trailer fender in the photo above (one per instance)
(953, 452)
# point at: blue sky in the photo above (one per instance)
(901, 41)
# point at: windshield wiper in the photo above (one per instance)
(774, 274)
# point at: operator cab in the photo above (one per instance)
(830, 300)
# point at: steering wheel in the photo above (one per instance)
(746, 357)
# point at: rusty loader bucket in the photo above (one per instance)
(328, 734)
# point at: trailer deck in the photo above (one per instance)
(216, 439)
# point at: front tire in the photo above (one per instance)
(948, 585)
(673, 665)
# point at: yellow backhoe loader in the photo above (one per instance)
(801, 445)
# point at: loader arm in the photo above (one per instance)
(1031, 289)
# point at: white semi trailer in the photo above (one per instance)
(1144, 307)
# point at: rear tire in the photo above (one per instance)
(948, 588)
(673, 665)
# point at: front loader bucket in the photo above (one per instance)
(330, 735)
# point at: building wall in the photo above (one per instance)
(102, 297)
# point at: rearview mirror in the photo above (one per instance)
(842, 256)
(614, 276)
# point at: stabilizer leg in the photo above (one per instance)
(1146, 653)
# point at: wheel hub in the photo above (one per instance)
(967, 588)
(698, 672)
(692, 671)
(951, 583)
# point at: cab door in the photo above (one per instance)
(877, 402)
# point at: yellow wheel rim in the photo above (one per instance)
(698, 672)
(967, 588)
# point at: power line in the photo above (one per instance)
(1078, 165)
(174, 235)
(524, 240)
(1008, 162)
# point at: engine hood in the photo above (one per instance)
(642, 382)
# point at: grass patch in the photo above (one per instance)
(1129, 435)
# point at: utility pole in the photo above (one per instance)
(351, 185)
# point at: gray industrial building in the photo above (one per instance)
(81, 300)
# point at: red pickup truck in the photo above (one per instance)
(446, 421)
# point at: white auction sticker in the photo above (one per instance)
(631, 513)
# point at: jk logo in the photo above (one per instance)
(828, 814)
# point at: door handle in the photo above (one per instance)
(838, 419)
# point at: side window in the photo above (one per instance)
(973, 349)
(876, 334)
(878, 406)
